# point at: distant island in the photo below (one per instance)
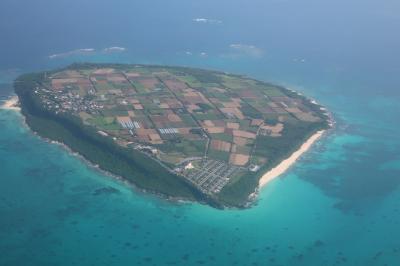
(183, 133)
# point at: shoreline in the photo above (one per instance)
(97, 168)
(11, 104)
(284, 165)
(132, 167)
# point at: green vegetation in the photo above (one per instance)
(222, 136)
(208, 116)
(278, 148)
(185, 147)
(251, 112)
(203, 76)
(204, 107)
(218, 155)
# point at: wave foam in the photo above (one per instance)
(238, 50)
(83, 51)
(114, 49)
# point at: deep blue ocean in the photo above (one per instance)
(339, 205)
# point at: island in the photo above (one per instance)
(183, 133)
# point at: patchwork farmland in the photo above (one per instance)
(211, 128)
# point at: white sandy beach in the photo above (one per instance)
(285, 164)
(11, 104)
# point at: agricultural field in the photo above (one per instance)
(205, 126)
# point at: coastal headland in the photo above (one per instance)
(182, 133)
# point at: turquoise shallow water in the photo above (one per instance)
(339, 205)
